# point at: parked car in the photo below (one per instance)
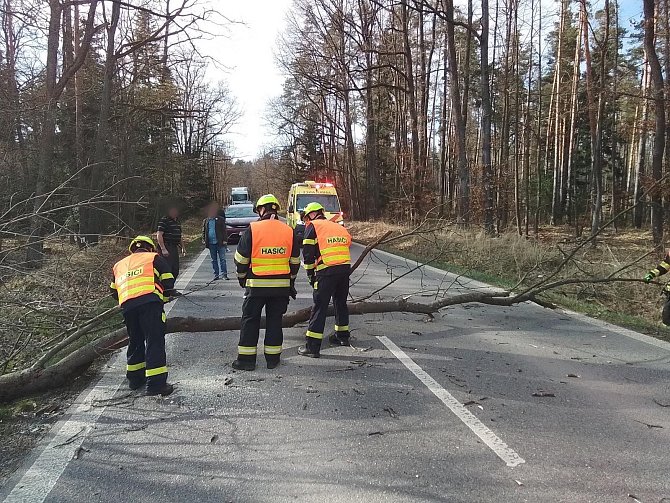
(238, 219)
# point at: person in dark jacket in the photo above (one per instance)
(170, 239)
(215, 240)
(143, 282)
(267, 261)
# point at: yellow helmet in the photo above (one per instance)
(140, 242)
(312, 207)
(268, 200)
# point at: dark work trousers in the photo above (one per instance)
(173, 258)
(146, 344)
(325, 288)
(275, 308)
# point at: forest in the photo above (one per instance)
(509, 115)
(107, 112)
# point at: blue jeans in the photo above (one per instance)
(218, 254)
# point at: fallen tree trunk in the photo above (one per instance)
(33, 380)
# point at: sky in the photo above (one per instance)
(247, 51)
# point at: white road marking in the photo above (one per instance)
(68, 435)
(502, 450)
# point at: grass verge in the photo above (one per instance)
(510, 260)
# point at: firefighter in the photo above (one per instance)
(267, 260)
(660, 270)
(142, 283)
(327, 258)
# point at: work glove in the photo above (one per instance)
(293, 293)
(312, 280)
(648, 277)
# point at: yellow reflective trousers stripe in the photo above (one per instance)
(272, 350)
(341, 328)
(132, 367)
(309, 267)
(314, 335)
(268, 283)
(294, 260)
(308, 242)
(156, 371)
(246, 350)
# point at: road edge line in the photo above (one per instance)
(68, 434)
(500, 448)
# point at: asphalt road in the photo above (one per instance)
(419, 410)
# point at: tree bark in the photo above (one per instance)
(659, 111)
(459, 122)
(487, 113)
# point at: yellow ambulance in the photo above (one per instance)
(303, 193)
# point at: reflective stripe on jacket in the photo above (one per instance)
(271, 248)
(134, 276)
(334, 244)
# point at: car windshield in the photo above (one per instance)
(240, 196)
(240, 211)
(328, 201)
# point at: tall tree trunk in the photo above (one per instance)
(556, 209)
(640, 167)
(459, 123)
(485, 89)
(47, 137)
(570, 206)
(92, 221)
(659, 111)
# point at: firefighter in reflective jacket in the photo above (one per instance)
(327, 258)
(142, 283)
(267, 260)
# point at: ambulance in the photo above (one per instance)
(303, 193)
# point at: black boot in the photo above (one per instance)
(311, 348)
(339, 339)
(164, 390)
(272, 363)
(244, 365)
(134, 384)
